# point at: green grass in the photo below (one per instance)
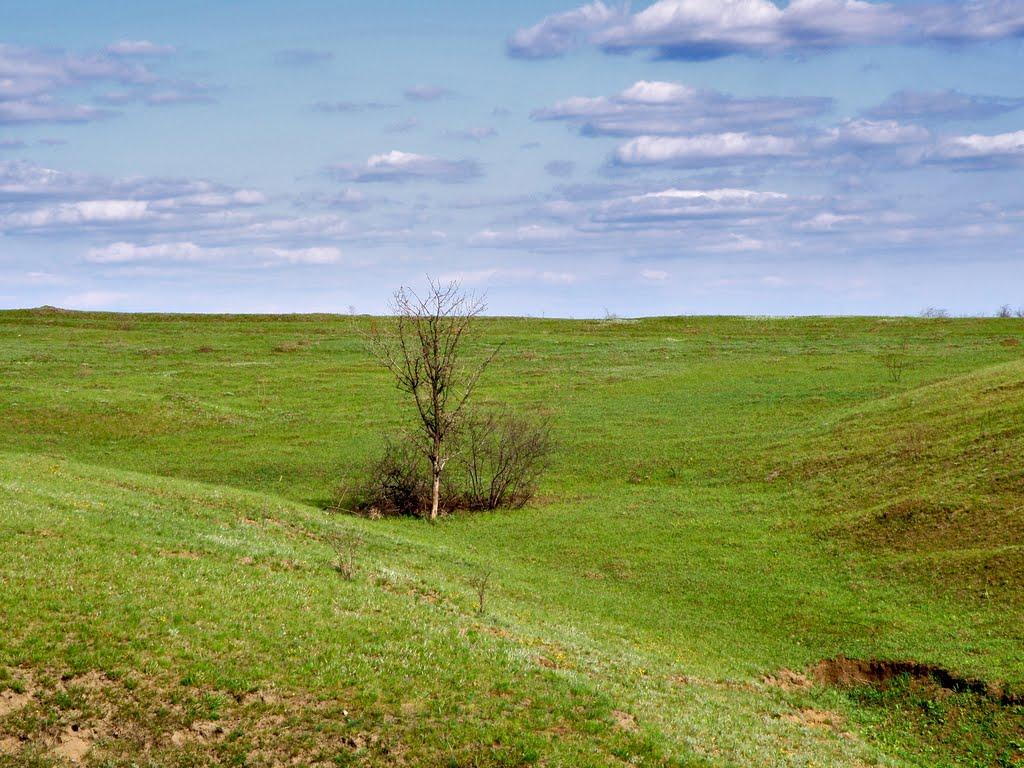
(731, 496)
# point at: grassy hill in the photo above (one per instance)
(734, 501)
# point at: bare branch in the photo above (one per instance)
(423, 349)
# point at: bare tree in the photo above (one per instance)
(1005, 311)
(896, 360)
(423, 350)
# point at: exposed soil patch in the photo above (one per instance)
(625, 720)
(93, 719)
(815, 718)
(10, 701)
(845, 672)
(788, 680)
(74, 744)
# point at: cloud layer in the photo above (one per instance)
(708, 29)
(668, 108)
(45, 86)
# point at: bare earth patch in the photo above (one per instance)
(91, 719)
(788, 680)
(842, 671)
(625, 721)
(815, 718)
(12, 702)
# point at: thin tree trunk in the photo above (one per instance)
(436, 467)
(435, 501)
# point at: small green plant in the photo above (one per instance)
(479, 582)
(896, 361)
(347, 546)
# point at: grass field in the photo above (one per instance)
(733, 501)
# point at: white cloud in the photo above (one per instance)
(80, 213)
(875, 133)
(407, 166)
(674, 205)
(654, 107)
(316, 255)
(704, 29)
(126, 253)
(560, 32)
(654, 275)
(734, 243)
(525, 235)
(704, 149)
(980, 150)
(34, 80)
(139, 48)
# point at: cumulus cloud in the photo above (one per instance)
(972, 21)
(661, 220)
(397, 166)
(979, 151)
(37, 200)
(160, 225)
(669, 108)
(942, 105)
(707, 29)
(77, 214)
(560, 32)
(675, 205)
(858, 134)
(703, 150)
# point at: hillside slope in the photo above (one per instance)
(194, 624)
(734, 503)
(932, 479)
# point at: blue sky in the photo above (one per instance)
(670, 157)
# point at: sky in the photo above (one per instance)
(667, 157)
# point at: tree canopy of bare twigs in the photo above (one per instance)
(422, 345)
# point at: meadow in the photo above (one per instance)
(734, 504)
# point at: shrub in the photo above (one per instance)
(499, 458)
(502, 457)
(398, 483)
